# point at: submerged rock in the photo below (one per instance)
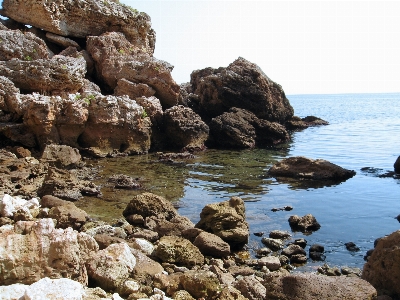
(306, 168)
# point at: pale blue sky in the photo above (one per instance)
(306, 46)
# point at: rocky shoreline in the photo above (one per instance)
(81, 79)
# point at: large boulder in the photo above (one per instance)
(83, 18)
(21, 45)
(240, 128)
(201, 284)
(63, 288)
(211, 245)
(61, 73)
(116, 59)
(244, 85)
(383, 267)
(226, 220)
(61, 156)
(184, 128)
(34, 250)
(314, 287)
(316, 169)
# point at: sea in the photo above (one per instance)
(363, 135)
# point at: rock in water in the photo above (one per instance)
(397, 165)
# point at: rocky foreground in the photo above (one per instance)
(81, 78)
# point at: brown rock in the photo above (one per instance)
(61, 156)
(68, 216)
(133, 90)
(90, 17)
(226, 220)
(250, 288)
(174, 226)
(305, 223)
(211, 245)
(145, 265)
(312, 287)
(201, 284)
(61, 40)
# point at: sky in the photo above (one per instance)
(308, 47)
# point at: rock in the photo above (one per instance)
(179, 251)
(106, 229)
(72, 51)
(148, 204)
(292, 249)
(397, 165)
(263, 252)
(302, 167)
(279, 234)
(271, 262)
(88, 18)
(226, 220)
(316, 252)
(126, 182)
(50, 201)
(382, 268)
(7, 93)
(61, 40)
(240, 128)
(250, 288)
(143, 245)
(273, 244)
(301, 242)
(352, 247)
(301, 123)
(61, 156)
(116, 58)
(60, 73)
(201, 284)
(104, 240)
(13, 292)
(68, 216)
(10, 205)
(35, 249)
(184, 128)
(133, 90)
(211, 245)
(312, 287)
(230, 293)
(47, 288)
(329, 271)
(306, 223)
(298, 259)
(22, 46)
(110, 267)
(174, 226)
(144, 265)
(182, 295)
(243, 85)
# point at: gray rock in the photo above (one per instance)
(251, 288)
(291, 250)
(279, 234)
(273, 244)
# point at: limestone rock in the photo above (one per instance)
(148, 204)
(304, 224)
(211, 245)
(226, 220)
(13, 292)
(61, 40)
(61, 156)
(60, 73)
(201, 284)
(83, 18)
(22, 46)
(46, 288)
(68, 216)
(230, 293)
(34, 250)
(10, 205)
(251, 288)
(7, 91)
(312, 287)
(133, 90)
(184, 128)
(301, 123)
(110, 267)
(273, 244)
(240, 128)
(302, 167)
(174, 226)
(179, 251)
(271, 262)
(382, 268)
(152, 108)
(244, 85)
(116, 58)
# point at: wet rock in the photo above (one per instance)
(35, 250)
(60, 73)
(184, 128)
(351, 247)
(302, 167)
(260, 234)
(211, 245)
(329, 271)
(301, 123)
(240, 128)
(88, 18)
(178, 250)
(21, 45)
(110, 267)
(148, 204)
(301, 242)
(226, 220)
(397, 165)
(316, 252)
(382, 268)
(124, 182)
(262, 252)
(298, 259)
(285, 208)
(250, 288)
(314, 287)
(291, 250)
(273, 244)
(61, 156)
(116, 58)
(201, 284)
(351, 271)
(279, 234)
(306, 223)
(243, 85)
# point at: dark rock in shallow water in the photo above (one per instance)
(304, 224)
(351, 247)
(397, 165)
(301, 123)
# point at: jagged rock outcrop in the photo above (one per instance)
(133, 90)
(315, 287)
(22, 46)
(301, 123)
(56, 75)
(37, 250)
(240, 128)
(184, 128)
(83, 18)
(116, 58)
(303, 167)
(382, 268)
(244, 85)
(226, 220)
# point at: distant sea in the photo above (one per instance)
(363, 135)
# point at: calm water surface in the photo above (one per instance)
(363, 132)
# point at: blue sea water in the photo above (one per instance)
(363, 133)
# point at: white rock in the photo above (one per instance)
(143, 245)
(54, 289)
(12, 292)
(9, 205)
